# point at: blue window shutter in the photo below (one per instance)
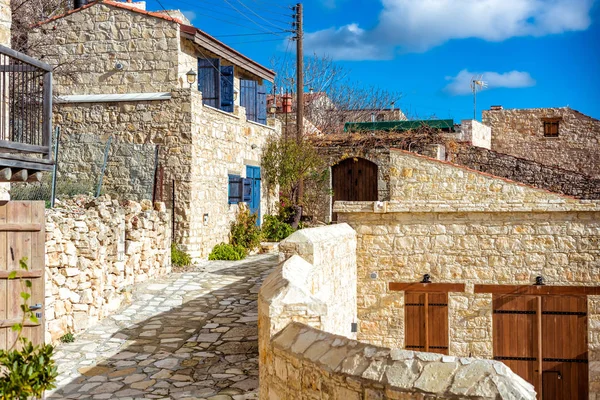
(235, 189)
(227, 88)
(261, 104)
(248, 98)
(247, 191)
(209, 82)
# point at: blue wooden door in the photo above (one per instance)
(253, 174)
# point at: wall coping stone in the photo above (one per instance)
(403, 370)
(431, 206)
(306, 240)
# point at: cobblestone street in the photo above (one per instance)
(191, 335)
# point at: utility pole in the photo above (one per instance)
(299, 72)
(299, 84)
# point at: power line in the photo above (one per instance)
(248, 34)
(245, 16)
(256, 41)
(267, 21)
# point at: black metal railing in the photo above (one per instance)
(25, 104)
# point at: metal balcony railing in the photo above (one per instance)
(25, 112)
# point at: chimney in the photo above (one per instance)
(79, 3)
(496, 108)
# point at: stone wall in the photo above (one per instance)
(521, 133)
(301, 308)
(5, 22)
(530, 172)
(422, 180)
(461, 226)
(96, 249)
(476, 133)
(198, 147)
(91, 42)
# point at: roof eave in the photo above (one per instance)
(211, 44)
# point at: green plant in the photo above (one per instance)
(67, 338)
(244, 231)
(179, 257)
(224, 251)
(27, 371)
(42, 190)
(274, 229)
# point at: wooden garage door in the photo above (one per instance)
(547, 334)
(354, 179)
(426, 322)
(21, 235)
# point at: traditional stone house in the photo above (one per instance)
(559, 137)
(127, 78)
(459, 262)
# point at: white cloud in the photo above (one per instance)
(418, 25)
(189, 15)
(461, 83)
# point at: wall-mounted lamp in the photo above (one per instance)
(119, 66)
(235, 94)
(254, 147)
(191, 77)
(272, 108)
(426, 278)
(539, 281)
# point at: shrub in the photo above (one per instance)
(67, 338)
(275, 229)
(26, 371)
(42, 190)
(244, 231)
(179, 257)
(224, 251)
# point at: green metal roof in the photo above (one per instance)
(398, 126)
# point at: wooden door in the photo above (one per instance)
(544, 340)
(426, 322)
(564, 343)
(515, 340)
(354, 179)
(21, 235)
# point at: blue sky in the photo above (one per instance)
(531, 53)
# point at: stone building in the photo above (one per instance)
(127, 78)
(502, 257)
(560, 137)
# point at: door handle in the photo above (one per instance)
(35, 307)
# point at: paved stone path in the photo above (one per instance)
(191, 335)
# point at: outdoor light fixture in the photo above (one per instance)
(235, 94)
(191, 77)
(272, 108)
(539, 281)
(426, 278)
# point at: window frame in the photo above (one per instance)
(548, 124)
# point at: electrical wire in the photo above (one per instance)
(245, 16)
(267, 21)
(247, 34)
(256, 41)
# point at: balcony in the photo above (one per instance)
(25, 117)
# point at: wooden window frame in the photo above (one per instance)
(548, 124)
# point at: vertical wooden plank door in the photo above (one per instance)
(426, 322)
(544, 340)
(354, 179)
(21, 235)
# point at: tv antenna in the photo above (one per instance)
(477, 84)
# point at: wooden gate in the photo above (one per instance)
(21, 235)
(426, 322)
(354, 179)
(544, 340)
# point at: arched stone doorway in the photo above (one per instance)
(354, 179)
